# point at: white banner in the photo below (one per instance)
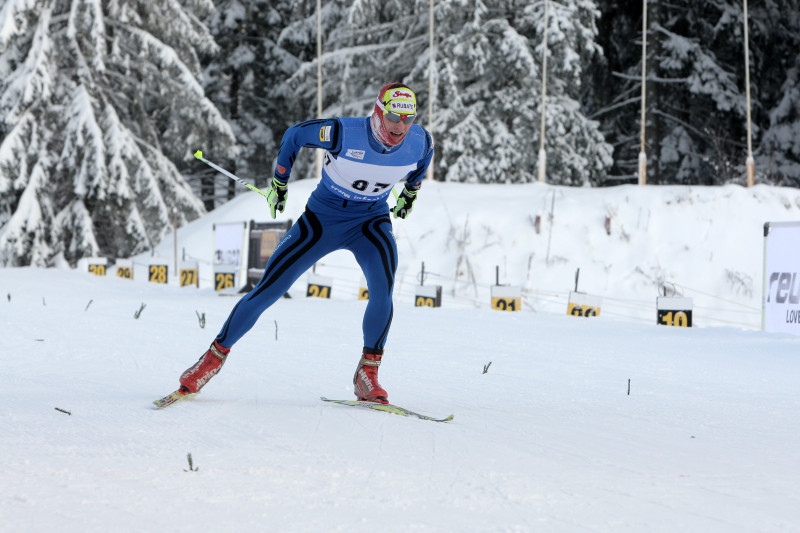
(229, 246)
(780, 304)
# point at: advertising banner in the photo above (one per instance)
(780, 304)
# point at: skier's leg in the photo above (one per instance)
(299, 249)
(296, 252)
(376, 253)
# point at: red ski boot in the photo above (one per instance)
(206, 368)
(366, 383)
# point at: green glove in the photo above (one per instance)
(405, 202)
(276, 196)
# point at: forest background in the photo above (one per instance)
(103, 102)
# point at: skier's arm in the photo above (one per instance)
(415, 177)
(323, 133)
(405, 202)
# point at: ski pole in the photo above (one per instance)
(199, 155)
(396, 197)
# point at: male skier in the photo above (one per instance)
(365, 157)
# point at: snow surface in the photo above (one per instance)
(704, 242)
(609, 423)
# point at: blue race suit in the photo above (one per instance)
(347, 210)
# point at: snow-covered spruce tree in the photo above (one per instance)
(775, 88)
(696, 107)
(101, 105)
(365, 44)
(703, 116)
(489, 92)
(246, 82)
(265, 44)
(487, 79)
(779, 154)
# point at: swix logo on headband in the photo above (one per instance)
(397, 94)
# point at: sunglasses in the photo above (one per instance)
(396, 117)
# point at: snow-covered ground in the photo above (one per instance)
(609, 423)
(704, 242)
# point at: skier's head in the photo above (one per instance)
(394, 113)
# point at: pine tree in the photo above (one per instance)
(101, 108)
(364, 46)
(695, 103)
(246, 81)
(775, 87)
(487, 80)
(578, 153)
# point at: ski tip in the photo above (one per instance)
(199, 154)
(169, 399)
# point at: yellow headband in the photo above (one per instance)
(400, 100)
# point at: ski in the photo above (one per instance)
(174, 397)
(386, 407)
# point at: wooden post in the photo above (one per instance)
(751, 170)
(642, 153)
(542, 154)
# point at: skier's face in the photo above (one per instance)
(397, 130)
